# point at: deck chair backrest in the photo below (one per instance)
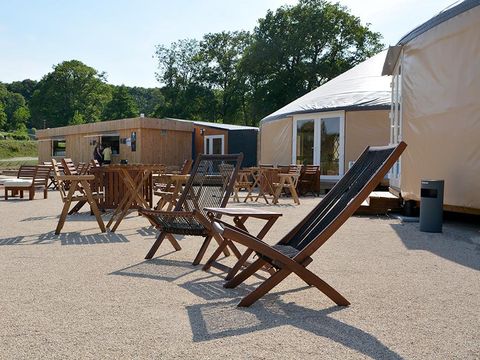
(42, 175)
(69, 167)
(343, 199)
(61, 183)
(27, 171)
(211, 182)
(186, 167)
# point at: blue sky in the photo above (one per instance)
(119, 37)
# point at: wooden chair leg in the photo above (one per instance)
(174, 242)
(215, 255)
(231, 274)
(63, 216)
(245, 274)
(202, 250)
(156, 245)
(31, 194)
(264, 288)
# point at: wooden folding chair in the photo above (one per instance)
(78, 191)
(209, 185)
(293, 253)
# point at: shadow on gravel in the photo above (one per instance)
(221, 318)
(459, 243)
(224, 319)
(70, 238)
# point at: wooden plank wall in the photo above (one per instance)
(166, 147)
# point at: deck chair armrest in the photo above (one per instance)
(231, 233)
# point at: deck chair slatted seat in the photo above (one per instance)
(293, 253)
(209, 185)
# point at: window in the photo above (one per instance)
(58, 147)
(113, 142)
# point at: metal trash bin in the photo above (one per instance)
(431, 205)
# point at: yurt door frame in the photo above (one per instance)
(396, 121)
(315, 127)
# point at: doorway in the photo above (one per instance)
(319, 140)
(213, 144)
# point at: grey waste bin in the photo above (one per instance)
(431, 205)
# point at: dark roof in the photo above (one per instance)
(443, 16)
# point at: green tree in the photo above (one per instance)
(20, 118)
(3, 117)
(121, 106)
(220, 55)
(297, 48)
(71, 87)
(77, 119)
(148, 101)
(25, 88)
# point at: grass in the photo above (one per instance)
(18, 148)
(13, 165)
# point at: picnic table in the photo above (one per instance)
(125, 187)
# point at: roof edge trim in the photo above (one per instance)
(346, 108)
(438, 19)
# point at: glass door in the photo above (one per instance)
(320, 141)
(213, 144)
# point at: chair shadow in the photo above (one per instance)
(158, 269)
(69, 238)
(458, 242)
(224, 319)
(220, 317)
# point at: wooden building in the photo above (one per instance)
(137, 140)
(214, 138)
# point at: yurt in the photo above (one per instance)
(331, 125)
(436, 106)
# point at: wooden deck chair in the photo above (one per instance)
(29, 178)
(209, 185)
(309, 181)
(78, 191)
(293, 253)
(70, 169)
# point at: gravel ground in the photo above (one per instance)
(86, 295)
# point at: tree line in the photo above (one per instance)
(235, 77)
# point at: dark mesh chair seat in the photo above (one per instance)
(182, 225)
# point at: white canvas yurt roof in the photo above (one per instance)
(362, 87)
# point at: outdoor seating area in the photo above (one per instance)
(96, 296)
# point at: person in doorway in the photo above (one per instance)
(107, 155)
(97, 153)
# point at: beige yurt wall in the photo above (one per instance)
(276, 142)
(441, 110)
(364, 128)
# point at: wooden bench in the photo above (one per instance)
(28, 179)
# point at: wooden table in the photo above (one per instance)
(240, 216)
(173, 188)
(262, 180)
(126, 187)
